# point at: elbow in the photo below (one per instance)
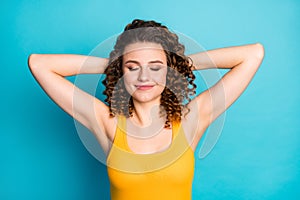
(259, 51)
(32, 62)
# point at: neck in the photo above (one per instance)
(146, 112)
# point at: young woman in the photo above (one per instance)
(150, 126)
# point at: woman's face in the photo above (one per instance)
(145, 69)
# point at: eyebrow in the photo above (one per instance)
(137, 62)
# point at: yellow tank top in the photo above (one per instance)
(163, 175)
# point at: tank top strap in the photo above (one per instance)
(119, 139)
(120, 152)
(176, 129)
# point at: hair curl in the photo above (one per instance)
(180, 81)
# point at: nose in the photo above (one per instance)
(143, 75)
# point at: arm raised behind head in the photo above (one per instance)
(243, 62)
(50, 70)
(68, 64)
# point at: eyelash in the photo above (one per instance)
(155, 69)
(133, 68)
(136, 68)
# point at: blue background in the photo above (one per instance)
(258, 153)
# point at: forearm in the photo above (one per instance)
(226, 58)
(68, 64)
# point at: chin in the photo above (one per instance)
(146, 99)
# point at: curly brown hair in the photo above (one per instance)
(180, 78)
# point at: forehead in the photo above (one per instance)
(144, 51)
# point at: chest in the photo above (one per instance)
(132, 167)
(148, 141)
(154, 173)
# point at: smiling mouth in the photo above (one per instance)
(144, 87)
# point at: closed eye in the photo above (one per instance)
(133, 68)
(155, 68)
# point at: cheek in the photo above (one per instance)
(160, 78)
(129, 81)
(130, 77)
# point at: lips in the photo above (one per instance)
(144, 87)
